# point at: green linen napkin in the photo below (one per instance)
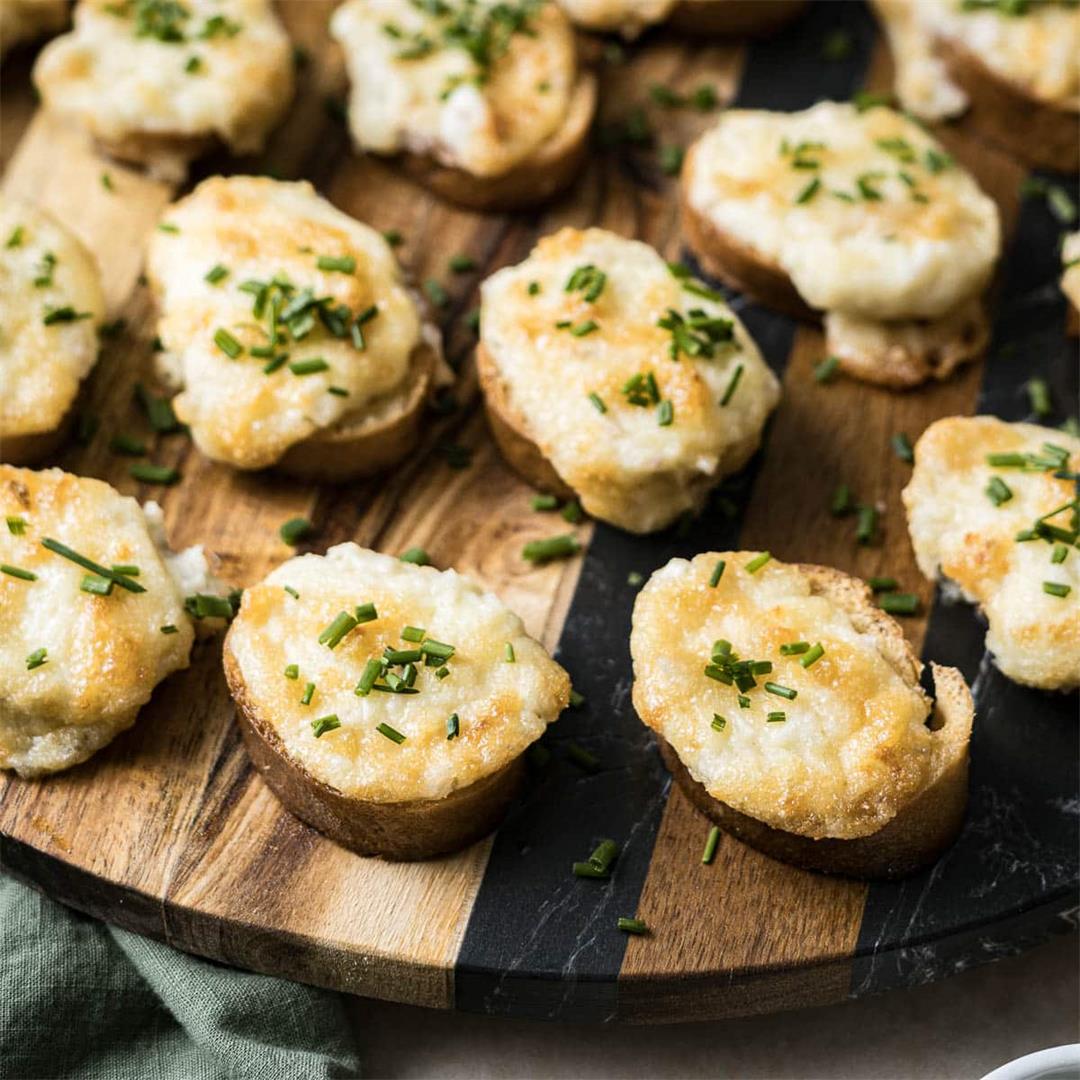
(82, 999)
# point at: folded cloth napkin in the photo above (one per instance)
(82, 999)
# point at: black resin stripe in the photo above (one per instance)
(539, 942)
(1011, 878)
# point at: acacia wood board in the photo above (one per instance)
(170, 832)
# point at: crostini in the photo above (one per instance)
(1012, 65)
(859, 217)
(158, 84)
(94, 612)
(992, 507)
(387, 704)
(51, 306)
(27, 20)
(788, 708)
(611, 376)
(485, 103)
(291, 331)
(741, 18)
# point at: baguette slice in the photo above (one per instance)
(399, 831)
(927, 824)
(1042, 134)
(546, 173)
(735, 18)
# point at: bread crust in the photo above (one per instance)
(1042, 134)
(741, 18)
(38, 446)
(923, 828)
(164, 155)
(398, 831)
(361, 445)
(541, 177)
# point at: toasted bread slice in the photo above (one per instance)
(734, 18)
(882, 834)
(543, 175)
(1041, 133)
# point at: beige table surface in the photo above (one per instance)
(959, 1028)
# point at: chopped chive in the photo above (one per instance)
(582, 758)
(781, 691)
(671, 159)
(341, 625)
(866, 526)
(843, 501)
(96, 584)
(436, 293)
(776, 718)
(276, 364)
(598, 403)
(635, 578)
(158, 410)
(392, 734)
(393, 237)
(170, 629)
(36, 659)
(442, 673)
(292, 592)
(584, 328)
(372, 670)
(809, 191)
(311, 366)
(899, 603)
(472, 320)
(415, 555)
(88, 564)
(146, 473)
(795, 648)
(294, 530)
(632, 926)
(453, 726)
(227, 343)
(437, 649)
(711, 843)
(902, 447)
(717, 573)
(554, 547)
(883, 584)
(997, 491)
(292, 671)
(402, 656)
(604, 855)
(718, 722)
(412, 633)
(308, 694)
(572, 512)
(744, 701)
(508, 653)
(757, 562)
(545, 502)
(343, 264)
(324, 724)
(17, 572)
(461, 264)
(16, 526)
(665, 413)
(15, 239)
(825, 370)
(576, 699)
(107, 182)
(127, 445)
(167, 227)
(733, 385)
(1039, 395)
(587, 870)
(1060, 554)
(215, 274)
(66, 314)
(208, 606)
(1007, 461)
(1054, 588)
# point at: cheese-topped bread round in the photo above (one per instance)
(860, 215)
(1015, 65)
(50, 307)
(27, 20)
(609, 373)
(631, 17)
(386, 703)
(485, 99)
(92, 616)
(626, 17)
(156, 83)
(795, 704)
(291, 329)
(992, 507)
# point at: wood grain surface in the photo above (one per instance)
(169, 831)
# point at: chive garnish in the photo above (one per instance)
(308, 694)
(882, 584)
(169, 629)
(292, 671)
(781, 691)
(1039, 395)
(718, 722)
(809, 191)
(96, 584)
(311, 366)
(436, 293)
(15, 239)
(776, 718)
(665, 413)
(16, 525)
(744, 701)
(545, 502)
(372, 670)
(899, 603)
(711, 843)
(997, 491)
(215, 274)
(1060, 553)
(508, 653)
(842, 501)
(413, 633)
(826, 369)
(533, 288)
(554, 547)
(587, 870)
(146, 473)
(866, 527)
(88, 564)
(598, 403)
(572, 512)
(292, 592)
(733, 385)
(635, 578)
(582, 329)
(461, 264)
(442, 673)
(342, 264)
(795, 648)
(717, 573)
(208, 606)
(576, 699)
(324, 724)
(671, 159)
(632, 926)
(158, 410)
(902, 447)
(1054, 588)
(393, 237)
(402, 656)
(437, 649)
(17, 572)
(66, 314)
(227, 343)
(294, 530)
(392, 734)
(415, 555)
(332, 635)
(582, 758)
(604, 856)
(453, 726)
(127, 445)
(757, 562)
(588, 280)
(36, 659)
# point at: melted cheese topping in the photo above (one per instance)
(1070, 260)
(105, 654)
(122, 85)
(25, 20)
(436, 104)
(854, 748)
(43, 268)
(258, 229)
(502, 707)
(890, 257)
(626, 17)
(959, 533)
(627, 468)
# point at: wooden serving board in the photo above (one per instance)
(169, 831)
